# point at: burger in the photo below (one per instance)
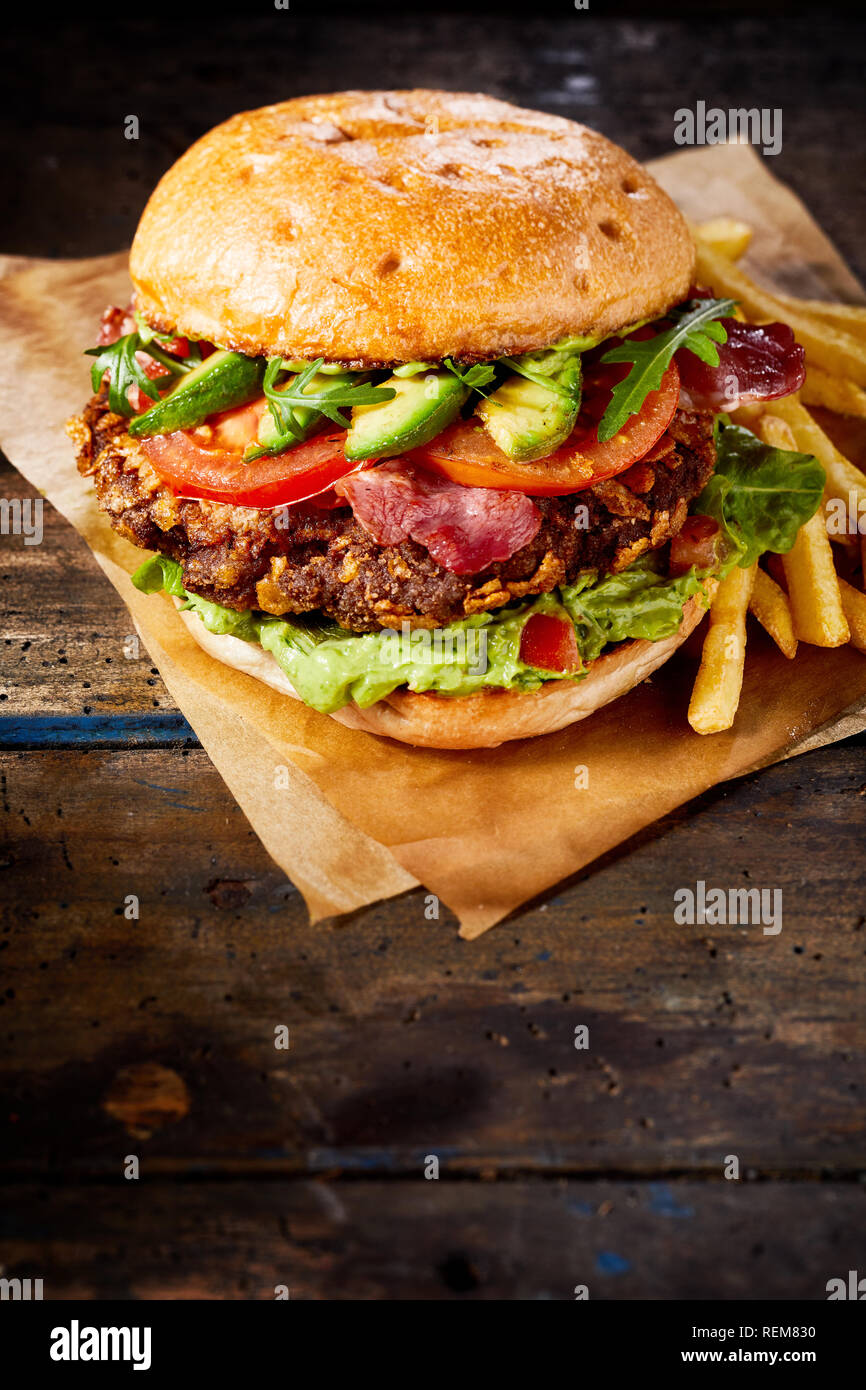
(423, 418)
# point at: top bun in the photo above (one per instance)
(380, 227)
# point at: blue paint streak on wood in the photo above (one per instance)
(663, 1202)
(174, 792)
(609, 1262)
(158, 730)
(580, 1208)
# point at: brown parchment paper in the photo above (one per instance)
(352, 818)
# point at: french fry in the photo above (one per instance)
(748, 415)
(813, 587)
(843, 479)
(716, 692)
(838, 521)
(726, 235)
(854, 608)
(839, 352)
(863, 561)
(850, 318)
(776, 432)
(833, 392)
(769, 604)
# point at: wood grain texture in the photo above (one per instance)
(69, 646)
(436, 1240)
(155, 1036)
(702, 1041)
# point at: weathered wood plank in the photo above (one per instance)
(435, 1239)
(68, 643)
(163, 729)
(702, 1042)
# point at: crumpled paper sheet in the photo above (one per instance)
(352, 818)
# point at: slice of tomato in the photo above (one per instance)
(466, 453)
(208, 462)
(550, 644)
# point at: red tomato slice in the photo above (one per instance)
(466, 453)
(231, 430)
(550, 644)
(178, 347)
(208, 462)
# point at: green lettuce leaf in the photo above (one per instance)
(159, 573)
(760, 496)
(641, 601)
(328, 666)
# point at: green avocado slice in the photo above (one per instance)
(528, 420)
(225, 379)
(422, 406)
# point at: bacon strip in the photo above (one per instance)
(759, 362)
(465, 529)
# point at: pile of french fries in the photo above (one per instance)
(799, 597)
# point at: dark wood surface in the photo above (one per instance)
(155, 1037)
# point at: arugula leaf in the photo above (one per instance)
(124, 370)
(565, 380)
(473, 378)
(696, 327)
(760, 496)
(329, 402)
(151, 335)
(177, 365)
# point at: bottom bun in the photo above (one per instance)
(484, 720)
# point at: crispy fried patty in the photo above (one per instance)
(297, 560)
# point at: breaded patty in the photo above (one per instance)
(299, 559)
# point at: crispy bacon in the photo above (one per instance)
(697, 543)
(465, 529)
(759, 362)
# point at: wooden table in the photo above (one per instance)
(155, 1037)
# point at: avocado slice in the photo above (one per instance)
(296, 364)
(225, 379)
(420, 409)
(527, 420)
(307, 418)
(551, 361)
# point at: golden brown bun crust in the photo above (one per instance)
(381, 227)
(474, 721)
